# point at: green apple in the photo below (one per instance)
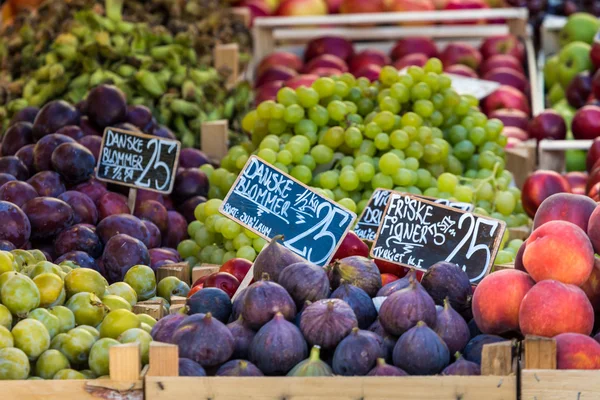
(566, 111)
(556, 94)
(573, 59)
(580, 27)
(575, 160)
(551, 71)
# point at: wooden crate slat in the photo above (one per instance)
(552, 152)
(560, 385)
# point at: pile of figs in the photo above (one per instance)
(299, 319)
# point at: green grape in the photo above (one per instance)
(390, 104)
(420, 91)
(203, 237)
(367, 147)
(477, 135)
(365, 106)
(228, 244)
(287, 96)
(365, 171)
(246, 252)
(423, 178)
(383, 181)
(348, 203)
(438, 101)
(432, 153)
(411, 119)
(337, 110)
(319, 115)
(281, 167)
(264, 109)
(400, 154)
(339, 193)
(417, 73)
(307, 97)
(284, 157)
(400, 92)
(341, 89)
(301, 141)
(444, 82)
(463, 193)
(278, 111)
(218, 225)
(360, 206)
(423, 107)
(389, 163)
(414, 150)
(431, 80)
(276, 126)
(241, 240)
(217, 257)
(249, 120)
(399, 139)
(268, 155)
(385, 120)
(353, 137)
(414, 190)
(405, 177)
(324, 87)
(464, 150)
(200, 212)
(457, 134)
(493, 128)
(308, 161)
(411, 163)
(230, 229)
(211, 207)
(372, 130)
(434, 65)
(302, 173)
(388, 75)
(258, 244)
(503, 257)
(322, 154)
(193, 227)
(241, 161)
(187, 248)
(382, 141)
(505, 202)
(349, 180)
(329, 179)
(293, 114)
(431, 192)
(333, 137)
(485, 191)
(447, 182)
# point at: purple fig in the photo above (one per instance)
(359, 301)
(305, 281)
(462, 367)
(358, 271)
(263, 300)
(236, 306)
(472, 351)
(204, 339)
(444, 279)
(403, 309)
(299, 315)
(357, 353)
(326, 322)
(273, 258)
(210, 300)
(389, 341)
(188, 367)
(420, 351)
(312, 366)
(238, 368)
(384, 369)
(277, 347)
(397, 285)
(242, 335)
(452, 328)
(164, 328)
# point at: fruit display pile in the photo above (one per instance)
(164, 62)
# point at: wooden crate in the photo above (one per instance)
(552, 152)
(521, 161)
(292, 33)
(540, 380)
(499, 382)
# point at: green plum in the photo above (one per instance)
(37, 254)
(68, 374)
(88, 373)
(146, 327)
(115, 303)
(172, 286)
(5, 317)
(87, 308)
(50, 321)
(7, 262)
(65, 316)
(35, 378)
(6, 338)
(142, 279)
(123, 290)
(145, 318)
(137, 335)
(77, 345)
(117, 322)
(20, 294)
(50, 362)
(57, 342)
(91, 330)
(42, 267)
(85, 280)
(50, 286)
(98, 359)
(14, 364)
(32, 337)
(23, 258)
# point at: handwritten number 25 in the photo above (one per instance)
(156, 163)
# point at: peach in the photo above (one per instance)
(461, 53)
(559, 250)
(552, 307)
(577, 351)
(497, 300)
(573, 208)
(539, 186)
(593, 229)
(592, 286)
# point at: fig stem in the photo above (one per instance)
(276, 238)
(330, 305)
(421, 323)
(381, 362)
(265, 276)
(457, 355)
(355, 330)
(243, 364)
(315, 353)
(446, 303)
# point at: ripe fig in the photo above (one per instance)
(389, 341)
(312, 366)
(357, 353)
(384, 369)
(445, 279)
(242, 335)
(403, 309)
(452, 328)
(210, 300)
(359, 301)
(273, 258)
(164, 329)
(236, 306)
(204, 339)
(358, 271)
(263, 300)
(277, 347)
(326, 322)
(238, 368)
(420, 351)
(472, 350)
(189, 367)
(462, 367)
(305, 281)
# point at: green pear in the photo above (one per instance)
(573, 59)
(580, 27)
(551, 71)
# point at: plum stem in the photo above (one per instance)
(243, 364)
(315, 353)
(114, 9)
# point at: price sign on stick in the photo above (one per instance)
(370, 219)
(270, 203)
(415, 232)
(137, 160)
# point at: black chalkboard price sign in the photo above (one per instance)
(415, 232)
(370, 219)
(270, 203)
(137, 160)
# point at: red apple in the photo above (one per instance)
(503, 44)
(335, 45)
(302, 7)
(200, 281)
(237, 267)
(461, 53)
(514, 132)
(596, 83)
(462, 70)
(333, 6)
(511, 117)
(595, 52)
(579, 90)
(194, 290)
(285, 58)
(547, 125)
(325, 61)
(404, 47)
(586, 123)
(351, 246)
(594, 192)
(387, 278)
(509, 77)
(268, 91)
(539, 186)
(391, 268)
(368, 57)
(577, 180)
(224, 281)
(593, 154)
(275, 73)
(301, 80)
(371, 72)
(410, 5)
(465, 5)
(506, 97)
(362, 6)
(417, 59)
(326, 71)
(500, 61)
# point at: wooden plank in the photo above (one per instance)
(214, 139)
(540, 353)
(178, 300)
(156, 311)
(124, 362)
(243, 14)
(179, 270)
(521, 232)
(73, 390)
(552, 152)
(560, 385)
(521, 161)
(500, 267)
(164, 359)
(497, 359)
(176, 308)
(227, 58)
(203, 270)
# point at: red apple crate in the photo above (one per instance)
(498, 382)
(292, 33)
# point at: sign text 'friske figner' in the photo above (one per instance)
(371, 217)
(137, 160)
(418, 233)
(270, 203)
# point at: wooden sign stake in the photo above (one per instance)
(540, 353)
(164, 359)
(214, 139)
(124, 362)
(227, 57)
(131, 199)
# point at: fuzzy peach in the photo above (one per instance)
(577, 351)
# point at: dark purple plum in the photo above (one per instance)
(155, 212)
(188, 367)
(73, 162)
(15, 226)
(48, 216)
(17, 192)
(42, 152)
(445, 279)
(15, 137)
(83, 259)
(420, 351)
(78, 237)
(187, 207)
(5, 245)
(238, 368)
(473, 349)
(305, 281)
(164, 328)
(123, 223)
(242, 335)
(204, 339)
(263, 300)
(357, 354)
(326, 322)
(139, 116)
(210, 300)
(155, 237)
(359, 301)
(462, 367)
(47, 183)
(26, 114)
(53, 116)
(190, 182)
(14, 166)
(452, 328)
(25, 154)
(160, 254)
(122, 252)
(72, 131)
(168, 203)
(192, 158)
(106, 105)
(126, 126)
(111, 204)
(4, 178)
(93, 188)
(44, 246)
(164, 132)
(84, 209)
(93, 144)
(384, 369)
(88, 128)
(145, 195)
(177, 230)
